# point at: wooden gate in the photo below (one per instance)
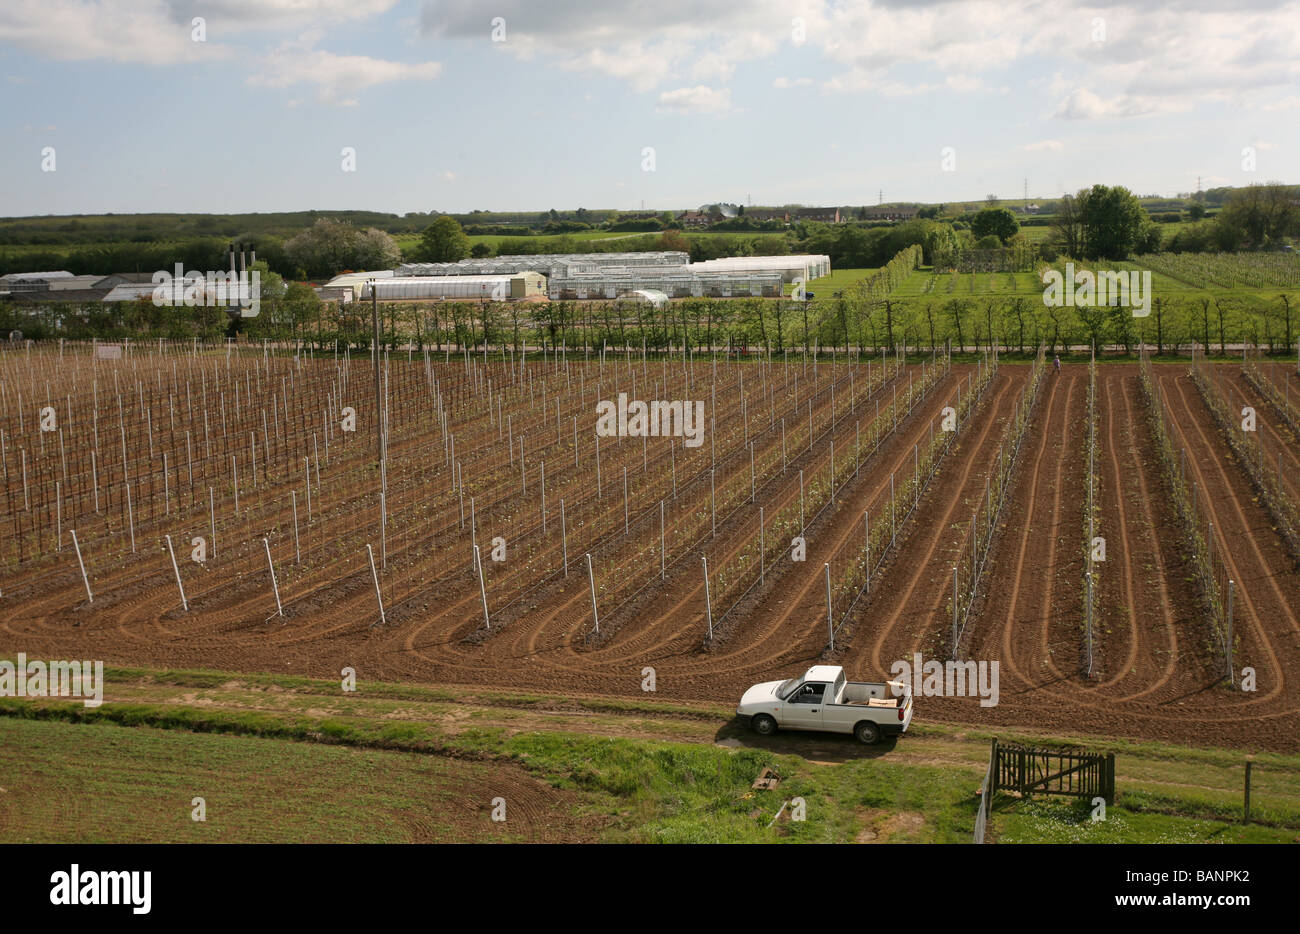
(1030, 771)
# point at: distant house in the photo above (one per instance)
(698, 218)
(1028, 209)
(818, 215)
(889, 214)
(762, 215)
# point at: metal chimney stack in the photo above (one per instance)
(242, 267)
(252, 254)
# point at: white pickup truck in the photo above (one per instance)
(822, 699)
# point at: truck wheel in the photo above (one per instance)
(763, 725)
(867, 733)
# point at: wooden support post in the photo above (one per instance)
(297, 552)
(1246, 814)
(830, 620)
(482, 586)
(564, 537)
(663, 554)
(708, 600)
(591, 579)
(954, 613)
(90, 598)
(279, 608)
(1227, 649)
(175, 568)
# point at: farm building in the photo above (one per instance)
(545, 263)
(674, 282)
(349, 279)
(31, 281)
(491, 288)
(611, 275)
(806, 265)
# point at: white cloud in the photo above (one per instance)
(1155, 58)
(336, 76)
(1084, 104)
(124, 32)
(1044, 145)
(158, 32)
(1285, 103)
(699, 99)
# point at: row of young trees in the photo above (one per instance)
(853, 320)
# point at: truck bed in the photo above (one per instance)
(866, 694)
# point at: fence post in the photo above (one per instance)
(179, 586)
(591, 578)
(954, 613)
(1246, 815)
(81, 564)
(708, 600)
(866, 536)
(1232, 675)
(663, 555)
(482, 586)
(279, 609)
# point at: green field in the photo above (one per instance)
(295, 759)
(839, 280)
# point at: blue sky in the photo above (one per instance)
(779, 102)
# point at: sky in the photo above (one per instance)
(232, 106)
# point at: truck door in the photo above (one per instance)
(803, 711)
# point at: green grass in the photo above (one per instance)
(104, 783)
(838, 280)
(293, 758)
(1065, 820)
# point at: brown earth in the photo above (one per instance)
(1155, 668)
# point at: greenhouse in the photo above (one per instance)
(673, 282)
(808, 266)
(545, 263)
(652, 297)
(487, 288)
